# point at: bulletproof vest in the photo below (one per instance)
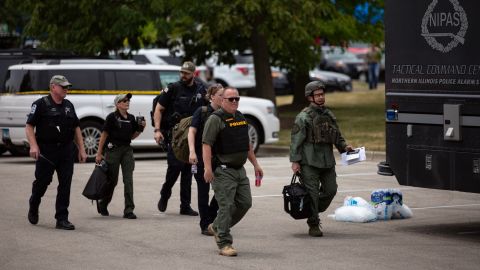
(323, 128)
(184, 101)
(233, 138)
(57, 125)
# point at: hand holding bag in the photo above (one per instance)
(97, 186)
(296, 200)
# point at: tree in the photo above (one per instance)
(279, 33)
(86, 26)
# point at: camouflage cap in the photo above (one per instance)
(312, 86)
(188, 67)
(60, 80)
(121, 97)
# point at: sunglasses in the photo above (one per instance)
(125, 100)
(232, 99)
(64, 87)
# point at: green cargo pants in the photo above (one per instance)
(321, 196)
(232, 191)
(116, 157)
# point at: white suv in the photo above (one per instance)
(93, 91)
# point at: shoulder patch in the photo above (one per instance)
(34, 108)
(165, 90)
(295, 128)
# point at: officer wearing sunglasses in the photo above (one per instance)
(226, 147)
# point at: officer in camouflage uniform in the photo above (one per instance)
(311, 152)
(225, 138)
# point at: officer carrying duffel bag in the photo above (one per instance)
(97, 186)
(296, 200)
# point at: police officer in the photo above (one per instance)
(225, 137)
(51, 145)
(314, 133)
(179, 100)
(118, 132)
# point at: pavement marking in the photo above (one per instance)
(446, 206)
(355, 174)
(340, 191)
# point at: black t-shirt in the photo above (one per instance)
(120, 129)
(54, 123)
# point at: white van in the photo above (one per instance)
(93, 91)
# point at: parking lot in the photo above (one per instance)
(444, 232)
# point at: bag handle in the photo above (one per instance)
(294, 178)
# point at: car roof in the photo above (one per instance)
(44, 66)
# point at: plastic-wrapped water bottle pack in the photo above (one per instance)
(385, 204)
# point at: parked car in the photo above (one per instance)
(93, 91)
(333, 81)
(339, 60)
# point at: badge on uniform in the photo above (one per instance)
(34, 108)
(67, 110)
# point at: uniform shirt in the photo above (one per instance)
(213, 126)
(120, 129)
(182, 99)
(198, 123)
(55, 123)
(318, 155)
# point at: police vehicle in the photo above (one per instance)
(94, 88)
(433, 94)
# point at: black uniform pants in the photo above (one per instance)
(59, 158)
(174, 168)
(208, 211)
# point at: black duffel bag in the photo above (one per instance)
(296, 200)
(97, 186)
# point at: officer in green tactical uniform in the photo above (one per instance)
(314, 133)
(225, 138)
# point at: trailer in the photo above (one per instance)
(432, 93)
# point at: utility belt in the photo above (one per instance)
(111, 146)
(216, 164)
(54, 144)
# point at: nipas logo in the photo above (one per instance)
(444, 29)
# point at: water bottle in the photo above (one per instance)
(194, 168)
(258, 179)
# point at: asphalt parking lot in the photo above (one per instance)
(444, 232)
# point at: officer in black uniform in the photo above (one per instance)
(179, 100)
(52, 146)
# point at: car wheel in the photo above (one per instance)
(91, 132)
(254, 133)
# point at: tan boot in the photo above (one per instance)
(228, 251)
(213, 232)
(315, 231)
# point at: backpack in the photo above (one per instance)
(180, 137)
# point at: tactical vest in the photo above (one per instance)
(58, 123)
(323, 128)
(233, 138)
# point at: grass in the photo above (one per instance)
(360, 115)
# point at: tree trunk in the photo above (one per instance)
(263, 73)
(300, 80)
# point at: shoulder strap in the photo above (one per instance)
(47, 101)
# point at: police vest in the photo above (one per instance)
(323, 127)
(184, 101)
(57, 124)
(233, 138)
